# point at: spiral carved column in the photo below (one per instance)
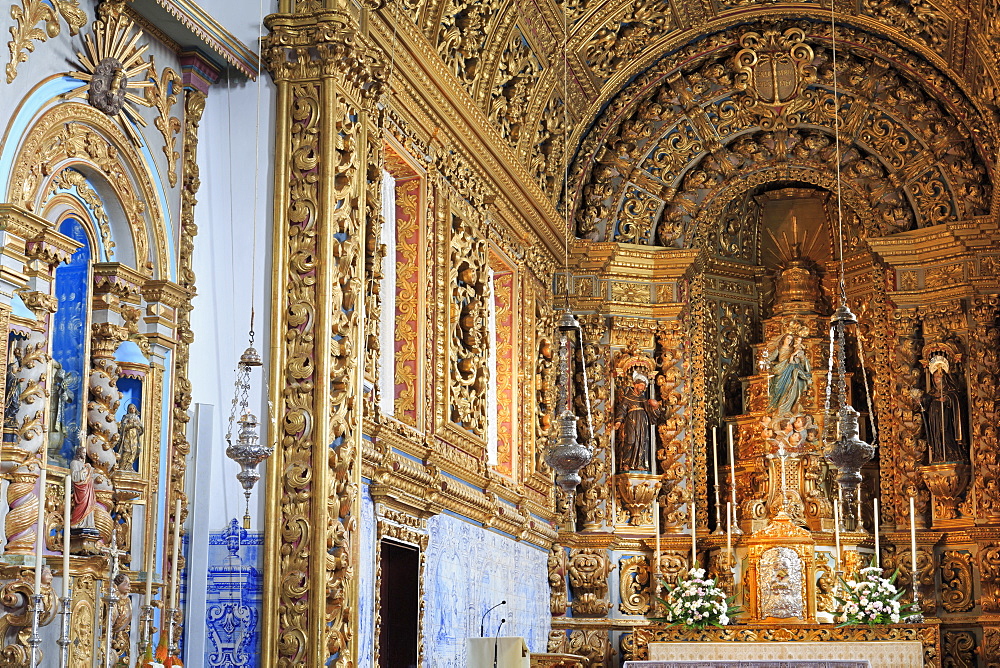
(103, 429)
(19, 524)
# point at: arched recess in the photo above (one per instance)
(74, 147)
(911, 147)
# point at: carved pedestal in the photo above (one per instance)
(946, 482)
(635, 494)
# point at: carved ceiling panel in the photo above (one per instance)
(759, 104)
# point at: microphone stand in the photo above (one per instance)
(482, 622)
(496, 639)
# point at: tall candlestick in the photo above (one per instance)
(836, 528)
(913, 548)
(729, 534)
(732, 475)
(177, 551)
(718, 482)
(694, 537)
(878, 558)
(656, 529)
(68, 496)
(40, 533)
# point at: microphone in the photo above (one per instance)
(496, 639)
(482, 622)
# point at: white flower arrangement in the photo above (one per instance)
(871, 599)
(696, 602)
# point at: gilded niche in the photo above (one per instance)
(469, 342)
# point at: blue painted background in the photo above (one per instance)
(70, 324)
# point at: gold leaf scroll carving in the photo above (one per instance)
(469, 345)
(25, 31)
(557, 581)
(958, 649)
(588, 578)
(634, 578)
(774, 68)
(956, 581)
(989, 569)
(162, 96)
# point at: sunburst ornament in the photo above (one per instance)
(109, 66)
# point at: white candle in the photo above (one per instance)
(875, 530)
(694, 536)
(715, 455)
(40, 533)
(913, 546)
(177, 552)
(150, 565)
(656, 530)
(732, 467)
(68, 483)
(836, 528)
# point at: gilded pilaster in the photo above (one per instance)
(985, 378)
(327, 83)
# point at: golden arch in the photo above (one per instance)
(77, 136)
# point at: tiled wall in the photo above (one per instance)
(232, 620)
(467, 570)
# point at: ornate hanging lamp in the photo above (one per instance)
(247, 450)
(844, 447)
(567, 454)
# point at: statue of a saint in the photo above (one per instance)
(130, 430)
(635, 416)
(942, 413)
(61, 423)
(12, 397)
(791, 376)
(82, 475)
(121, 614)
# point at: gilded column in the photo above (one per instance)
(984, 376)
(102, 428)
(327, 82)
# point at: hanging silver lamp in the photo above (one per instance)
(566, 454)
(247, 450)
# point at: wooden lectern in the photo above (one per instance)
(510, 653)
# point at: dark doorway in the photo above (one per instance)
(399, 605)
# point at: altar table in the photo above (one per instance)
(797, 654)
(747, 664)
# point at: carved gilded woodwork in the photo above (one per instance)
(899, 557)
(592, 644)
(15, 623)
(109, 69)
(956, 581)
(408, 267)
(984, 384)
(634, 582)
(314, 476)
(991, 646)
(588, 571)
(907, 424)
(73, 131)
(635, 645)
(989, 573)
(557, 567)
(162, 96)
(905, 140)
(672, 453)
(593, 498)
(24, 32)
(958, 649)
(71, 179)
(469, 342)
(626, 36)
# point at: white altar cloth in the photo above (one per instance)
(747, 664)
(881, 654)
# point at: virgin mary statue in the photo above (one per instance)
(791, 376)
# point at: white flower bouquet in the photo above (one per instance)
(871, 599)
(696, 602)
